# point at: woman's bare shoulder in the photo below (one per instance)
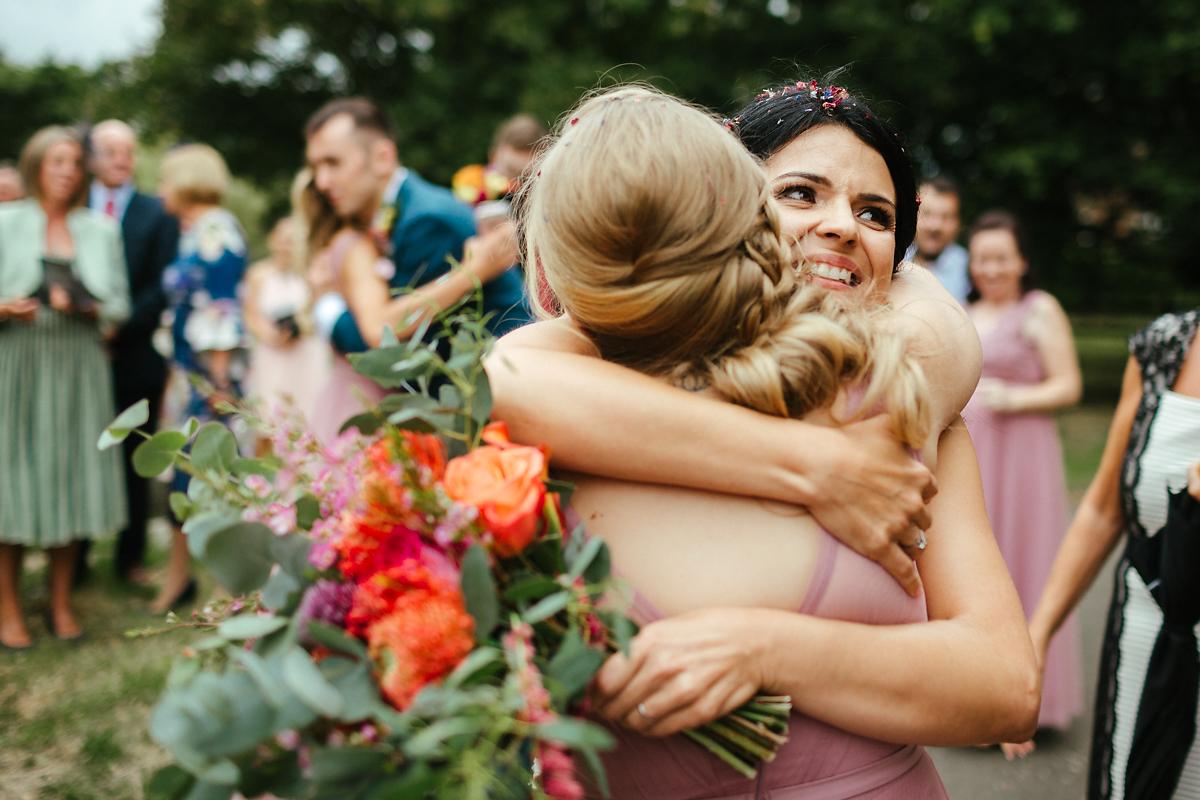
(559, 334)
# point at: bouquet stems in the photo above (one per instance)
(748, 736)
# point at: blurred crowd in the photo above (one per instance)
(110, 295)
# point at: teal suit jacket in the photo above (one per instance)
(431, 228)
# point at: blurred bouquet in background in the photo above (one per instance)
(408, 618)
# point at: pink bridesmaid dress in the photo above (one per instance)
(1020, 460)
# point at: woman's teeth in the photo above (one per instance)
(834, 273)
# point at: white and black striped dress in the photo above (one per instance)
(1164, 442)
(55, 399)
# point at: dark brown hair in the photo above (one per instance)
(366, 114)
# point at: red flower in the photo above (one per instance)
(370, 544)
(417, 628)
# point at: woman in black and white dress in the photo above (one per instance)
(1144, 744)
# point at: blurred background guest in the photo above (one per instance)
(204, 312)
(489, 188)
(62, 287)
(151, 240)
(287, 363)
(1030, 370)
(936, 247)
(11, 185)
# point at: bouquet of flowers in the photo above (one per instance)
(408, 617)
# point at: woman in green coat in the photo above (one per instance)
(62, 289)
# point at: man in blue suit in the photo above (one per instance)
(350, 147)
(151, 240)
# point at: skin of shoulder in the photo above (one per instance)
(942, 338)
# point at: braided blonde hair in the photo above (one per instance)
(656, 232)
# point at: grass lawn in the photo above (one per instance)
(73, 718)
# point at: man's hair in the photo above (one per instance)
(942, 184)
(522, 132)
(366, 114)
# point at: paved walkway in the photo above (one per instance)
(1057, 770)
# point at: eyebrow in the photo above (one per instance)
(821, 180)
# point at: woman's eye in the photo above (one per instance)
(876, 217)
(798, 193)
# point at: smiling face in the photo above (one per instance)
(61, 173)
(838, 204)
(996, 265)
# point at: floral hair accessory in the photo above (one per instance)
(829, 98)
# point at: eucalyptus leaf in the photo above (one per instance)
(208, 790)
(336, 639)
(575, 733)
(250, 626)
(169, 783)
(308, 511)
(181, 506)
(214, 448)
(479, 591)
(199, 528)
(302, 677)
(133, 417)
(182, 672)
(478, 660)
(429, 743)
(355, 684)
(222, 772)
(291, 553)
(240, 556)
(481, 402)
(417, 783)
(243, 467)
(573, 666)
(547, 607)
(153, 456)
(331, 764)
(531, 587)
(583, 559)
(367, 423)
(280, 590)
(257, 669)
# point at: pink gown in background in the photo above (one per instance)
(819, 761)
(1020, 460)
(345, 392)
(295, 372)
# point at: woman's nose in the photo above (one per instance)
(837, 222)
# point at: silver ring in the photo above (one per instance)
(921, 542)
(641, 709)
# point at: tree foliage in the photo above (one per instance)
(1077, 116)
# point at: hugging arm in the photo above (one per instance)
(857, 481)
(965, 677)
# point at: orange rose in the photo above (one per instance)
(506, 484)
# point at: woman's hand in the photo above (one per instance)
(1193, 483)
(23, 309)
(682, 672)
(870, 493)
(996, 395)
(60, 299)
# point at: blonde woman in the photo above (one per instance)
(672, 261)
(62, 290)
(202, 287)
